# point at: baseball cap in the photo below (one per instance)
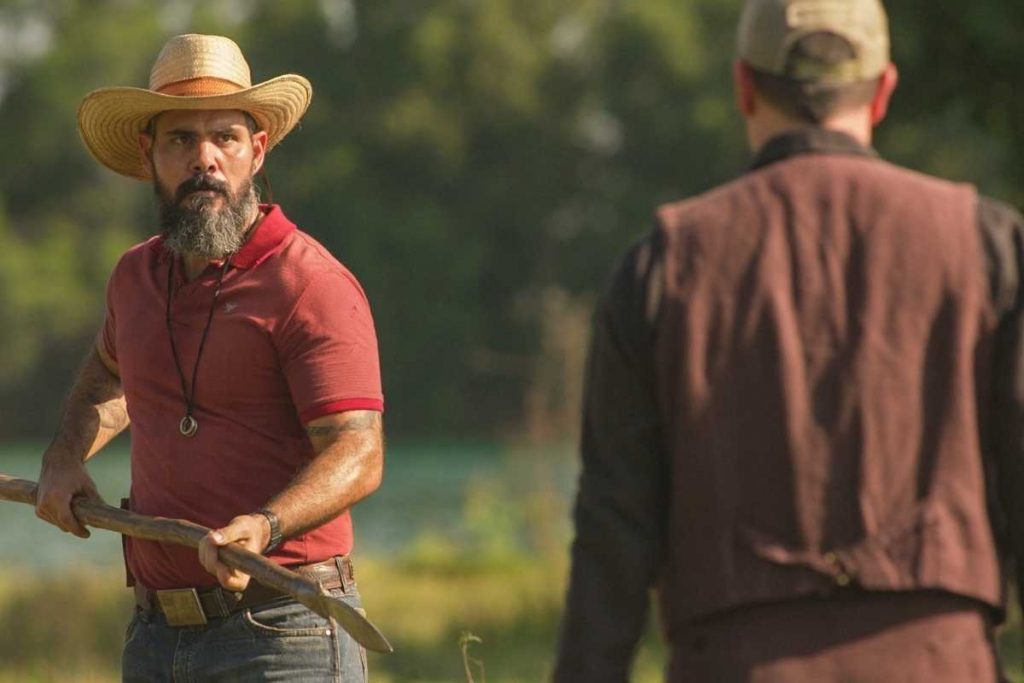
(770, 28)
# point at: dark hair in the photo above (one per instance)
(250, 122)
(815, 101)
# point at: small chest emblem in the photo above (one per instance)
(229, 306)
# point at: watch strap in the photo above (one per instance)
(275, 530)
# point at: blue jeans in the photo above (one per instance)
(278, 641)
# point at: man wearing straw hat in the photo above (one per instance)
(805, 397)
(245, 359)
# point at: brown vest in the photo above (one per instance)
(819, 356)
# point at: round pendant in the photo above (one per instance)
(188, 426)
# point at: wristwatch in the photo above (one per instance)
(275, 530)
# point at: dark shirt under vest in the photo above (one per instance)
(807, 382)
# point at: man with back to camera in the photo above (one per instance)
(245, 358)
(804, 413)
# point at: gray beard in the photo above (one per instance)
(191, 224)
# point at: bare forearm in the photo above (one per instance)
(346, 469)
(94, 413)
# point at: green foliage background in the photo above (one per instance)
(479, 164)
(472, 161)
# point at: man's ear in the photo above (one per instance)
(746, 93)
(145, 148)
(883, 95)
(259, 150)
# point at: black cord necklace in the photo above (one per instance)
(188, 425)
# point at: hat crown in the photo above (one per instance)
(192, 72)
(194, 56)
(770, 28)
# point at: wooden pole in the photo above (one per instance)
(97, 514)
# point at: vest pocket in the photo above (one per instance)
(901, 555)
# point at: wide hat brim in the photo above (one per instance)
(110, 120)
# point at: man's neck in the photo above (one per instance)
(770, 125)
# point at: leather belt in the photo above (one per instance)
(195, 606)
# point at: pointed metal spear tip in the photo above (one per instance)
(352, 620)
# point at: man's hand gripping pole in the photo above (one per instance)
(97, 514)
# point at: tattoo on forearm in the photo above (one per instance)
(358, 422)
(94, 410)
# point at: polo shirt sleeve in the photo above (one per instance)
(328, 349)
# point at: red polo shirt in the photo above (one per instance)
(292, 339)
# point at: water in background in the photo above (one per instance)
(425, 489)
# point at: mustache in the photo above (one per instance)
(201, 183)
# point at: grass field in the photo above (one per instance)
(69, 630)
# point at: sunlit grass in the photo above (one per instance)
(512, 606)
(69, 628)
(500, 577)
(62, 628)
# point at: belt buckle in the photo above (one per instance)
(181, 606)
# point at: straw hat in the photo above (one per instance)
(192, 72)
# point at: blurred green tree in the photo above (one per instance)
(479, 165)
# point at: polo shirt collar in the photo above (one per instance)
(809, 141)
(266, 239)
